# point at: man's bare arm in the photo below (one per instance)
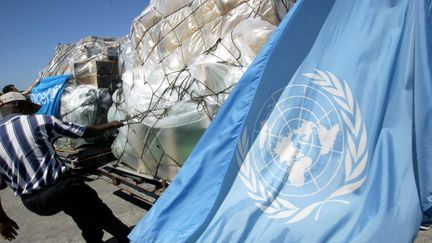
(29, 89)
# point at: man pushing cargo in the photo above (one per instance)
(30, 166)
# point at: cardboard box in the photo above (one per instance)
(100, 74)
(99, 81)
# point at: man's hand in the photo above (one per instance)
(116, 124)
(94, 130)
(8, 228)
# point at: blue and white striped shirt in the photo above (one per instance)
(28, 160)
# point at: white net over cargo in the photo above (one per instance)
(184, 57)
(178, 65)
(93, 61)
(76, 58)
(182, 60)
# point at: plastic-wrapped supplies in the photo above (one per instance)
(191, 52)
(179, 64)
(85, 105)
(93, 63)
(178, 67)
(150, 151)
(80, 58)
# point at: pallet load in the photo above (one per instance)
(93, 65)
(181, 62)
(176, 68)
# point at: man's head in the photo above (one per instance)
(14, 102)
(9, 88)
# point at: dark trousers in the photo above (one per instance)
(71, 195)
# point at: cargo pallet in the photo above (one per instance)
(100, 161)
(139, 186)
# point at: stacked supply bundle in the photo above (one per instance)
(178, 67)
(93, 63)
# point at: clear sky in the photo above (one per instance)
(31, 29)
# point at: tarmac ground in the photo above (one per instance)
(61, 229)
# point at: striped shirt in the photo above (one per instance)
(28, 160)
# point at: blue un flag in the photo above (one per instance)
(326, 138)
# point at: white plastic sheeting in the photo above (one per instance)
(184, 57)
(181, 62)
(178, 65)
(152, 151)
(93, 61)
(85, 105)
(79, 58)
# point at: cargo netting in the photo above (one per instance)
(167, 78)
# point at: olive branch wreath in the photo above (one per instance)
(356, 157)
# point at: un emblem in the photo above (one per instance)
(311, 147)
